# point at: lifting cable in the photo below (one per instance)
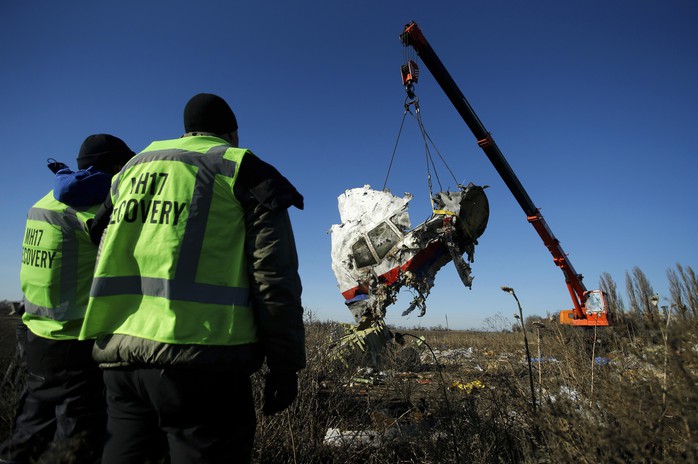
(412, 100)
(392, 158)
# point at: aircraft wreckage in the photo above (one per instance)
(376, 253)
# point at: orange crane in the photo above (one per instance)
(590, 307)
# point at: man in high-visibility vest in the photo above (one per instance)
(196, 284)
(62, 404)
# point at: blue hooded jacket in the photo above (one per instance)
(85, 187)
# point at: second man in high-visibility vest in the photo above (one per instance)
(62, 404)
(196, 284)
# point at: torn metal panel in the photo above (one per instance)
(375, 252)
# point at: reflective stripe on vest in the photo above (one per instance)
(170, 289)
(183, 286)
(68, 222)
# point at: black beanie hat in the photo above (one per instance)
(102, 151)
(206, 112)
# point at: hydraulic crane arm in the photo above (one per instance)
(595, 314)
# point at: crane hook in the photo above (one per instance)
(410, 76)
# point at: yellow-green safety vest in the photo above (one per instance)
(172, 264)
(58, 260)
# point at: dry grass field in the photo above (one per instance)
(8, 394)
(625, 394)
(621, 394)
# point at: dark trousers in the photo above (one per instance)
(62, 405)
(196, 416)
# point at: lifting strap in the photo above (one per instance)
(412, 101)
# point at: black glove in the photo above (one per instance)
(279, 392)
(55, 166)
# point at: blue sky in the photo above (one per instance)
(593, 104)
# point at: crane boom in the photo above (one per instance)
(589, 306)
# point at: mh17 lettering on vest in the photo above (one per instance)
(147, 210)
(148, 183)
(35, 257)
(32, 237)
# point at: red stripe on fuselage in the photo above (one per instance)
(424, 257)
